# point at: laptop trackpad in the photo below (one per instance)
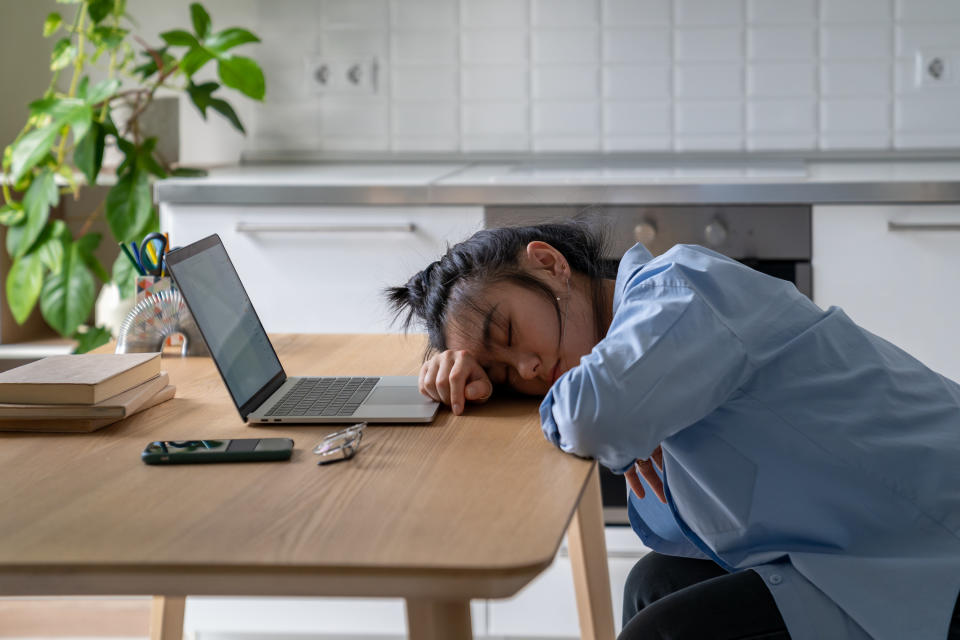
(396, 395)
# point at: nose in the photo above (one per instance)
(528, 366)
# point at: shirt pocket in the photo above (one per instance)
(711, 482)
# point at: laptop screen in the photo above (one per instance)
(226, 318)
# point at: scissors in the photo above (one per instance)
(152, 250)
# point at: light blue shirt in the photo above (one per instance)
(795, 443)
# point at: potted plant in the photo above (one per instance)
(61, 148)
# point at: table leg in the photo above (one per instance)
(588, 555)
(166, 617)
(438, 620)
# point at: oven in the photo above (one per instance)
(773, 239)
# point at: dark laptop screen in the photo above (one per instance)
(225, 316)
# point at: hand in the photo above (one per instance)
(645, 469)
(453, 377)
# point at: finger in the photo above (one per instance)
(479, 390)
(645, 467)
(443, 379)
(658, 458)
(458, 380)
(634, 482)
(429, 372)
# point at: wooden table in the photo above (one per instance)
(467, 507)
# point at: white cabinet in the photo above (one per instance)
(323, 269)
(895, 270)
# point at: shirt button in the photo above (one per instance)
(775, 578)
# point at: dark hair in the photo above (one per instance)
(490, 256)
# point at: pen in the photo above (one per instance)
(136, 264)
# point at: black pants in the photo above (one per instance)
(668, 598)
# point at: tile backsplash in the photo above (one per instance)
(465, 76)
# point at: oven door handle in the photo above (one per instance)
(920, 226)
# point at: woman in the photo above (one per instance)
(810, 481)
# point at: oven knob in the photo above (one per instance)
(645, 233)
(715, 233)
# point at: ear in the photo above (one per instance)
(542, 256)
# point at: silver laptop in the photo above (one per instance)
(249, 365)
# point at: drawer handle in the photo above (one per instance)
(250, 227)
(934, 226)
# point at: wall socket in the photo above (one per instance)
(936, 68)
(342, 76)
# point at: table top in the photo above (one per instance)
(474, 505)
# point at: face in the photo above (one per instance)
(517, 338)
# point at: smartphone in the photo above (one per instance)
(237, 450)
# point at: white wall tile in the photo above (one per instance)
(343, 117)
(854, 116)
(494, 143)
(622, 13)
(852, 79)
(708, 81)
(493, 13)
(638, 143)
(424, 14)
(569, 45)
(855, 10)
(708, 44)
(637, 118)
(566, 143)
(781, 11)
(493, 119)
(425, 119)
(424, 82)
(850, 141)
(855, 41)
(781, 116)
(565, 13)
(493, 46)
(353, 143)
(928, 10)
(708, 143)
(781, 43)
(781, 142)
(494, 82)
(708, 12)
(926, 140)
(633, 82)
(421, 143)
(910, 38)
(781, 79)
(353, 43)
(566, 118)
(566, 82)
(636, 45)
(921, 113)
(714, 117)
(419, 47)
(354, 13)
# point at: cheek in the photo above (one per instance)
(531, 387)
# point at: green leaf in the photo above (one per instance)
(67, 298)
(188, 172)
(63, 54)
(148, 162)
(110, 37)
(200, 95)
(52, 244)
(201, 20)
(149, 67)
(179, 38)
(92, 338)
(41, 195)
(129, 205)
(73, 112)
(87, 245)
(51, 24)
(120, 8)
(223, 107)
(30, 149)
(69, 1)
(102, 90)
(88, 154)
(228, 39)
(12, 214)
(23, 286)
(242, 74)
(194, 60)
(125, 275)
(99, 9)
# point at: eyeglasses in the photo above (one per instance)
(340, 445)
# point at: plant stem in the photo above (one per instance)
(77, 70)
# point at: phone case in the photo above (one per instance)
(153, 454)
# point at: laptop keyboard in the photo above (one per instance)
(324, 397)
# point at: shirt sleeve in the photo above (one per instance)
(666, 362)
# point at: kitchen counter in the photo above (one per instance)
(584, 182)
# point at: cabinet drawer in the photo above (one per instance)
(324, 269)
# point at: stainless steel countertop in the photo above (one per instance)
(582, 182)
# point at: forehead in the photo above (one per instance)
(474, 318)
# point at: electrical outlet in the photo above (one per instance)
(936, 68)
(346, 77)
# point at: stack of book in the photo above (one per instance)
(82, 392)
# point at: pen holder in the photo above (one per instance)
(160, 317)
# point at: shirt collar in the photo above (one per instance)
(633, 260)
